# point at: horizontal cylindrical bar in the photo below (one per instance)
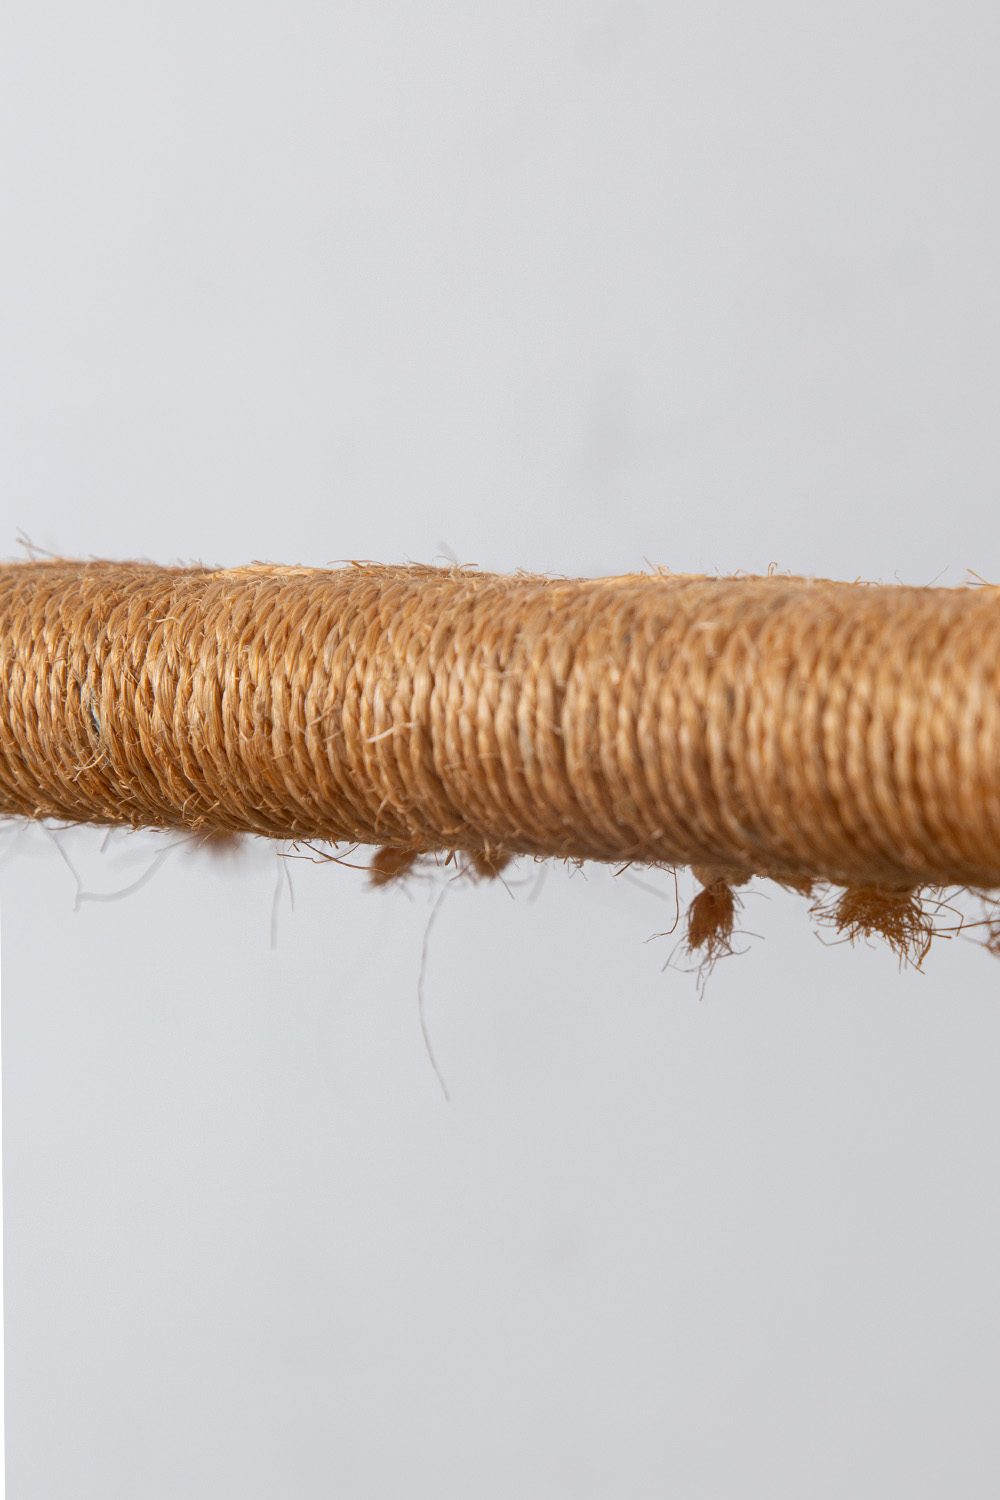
(786, 725)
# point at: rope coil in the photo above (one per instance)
(803, 729)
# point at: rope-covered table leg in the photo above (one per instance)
(801, 729)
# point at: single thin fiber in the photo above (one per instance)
(809, 730)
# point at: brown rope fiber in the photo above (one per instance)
(802, 729)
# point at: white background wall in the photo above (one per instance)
(554, 286)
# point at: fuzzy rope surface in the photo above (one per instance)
(800, 728)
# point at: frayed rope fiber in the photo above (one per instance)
(798, 728)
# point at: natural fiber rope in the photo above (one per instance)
(783, 725)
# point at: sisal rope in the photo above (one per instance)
(803, 729)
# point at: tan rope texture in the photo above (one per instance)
(804, 729)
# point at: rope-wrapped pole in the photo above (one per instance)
(801, 728)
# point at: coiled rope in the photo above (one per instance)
(805, 730)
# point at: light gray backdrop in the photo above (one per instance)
(552, 286)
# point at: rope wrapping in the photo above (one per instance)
(800, 728)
